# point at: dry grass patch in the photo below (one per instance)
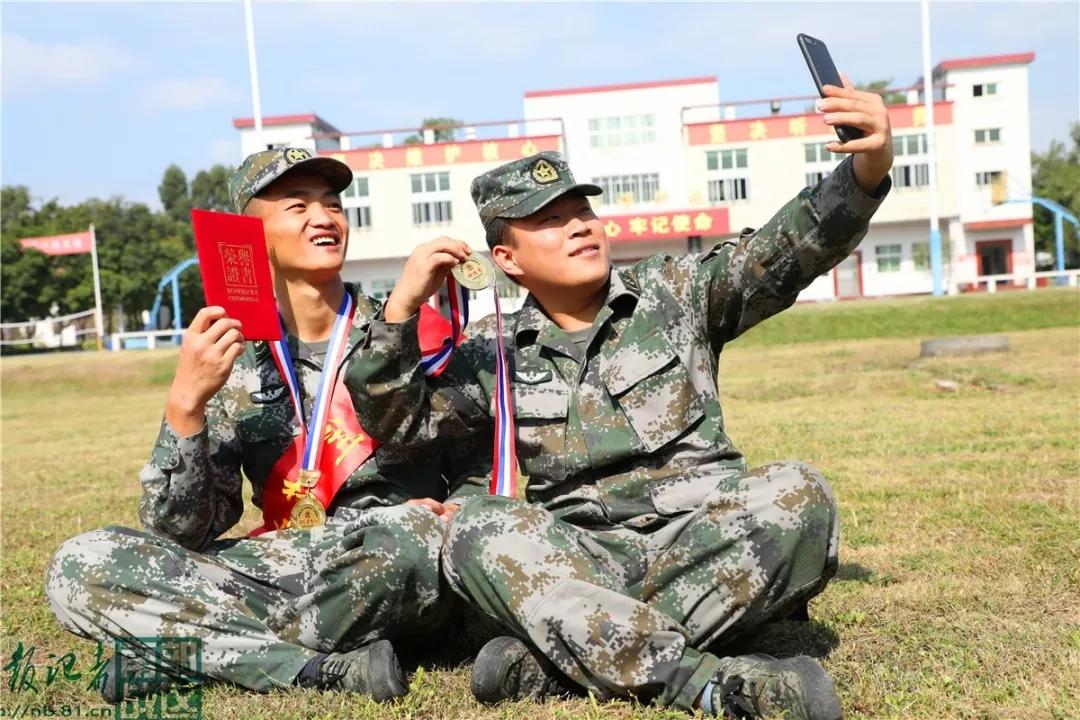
(958, 590)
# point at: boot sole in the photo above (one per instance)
(385, 679)
(486, 680)
(822, 702)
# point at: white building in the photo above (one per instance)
(683, 170)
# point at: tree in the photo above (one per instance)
(173, 192)
(1056, 176)
(875, 86)
(880, 87)
(210, 189)
(136, 245)
(442, 134)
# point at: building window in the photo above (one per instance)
(984, 89)
(920, 255)
(987, 178)
(915, 175)
(359, 217)
(728, 180)
(904, 145)
(357, 204)
(816, 152)
(620, 130)
(888, 258)
(358, 188)
(989, 135)
(908, 171)
(381, 288)
(728, 189)
(431, 198)
(628, 189)
(725, 159)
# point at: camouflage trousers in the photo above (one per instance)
(629, 610)
(262, 606)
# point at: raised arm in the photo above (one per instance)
(740, 284)
(192, 484)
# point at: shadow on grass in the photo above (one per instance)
(785, 638)
(854, 572)
(466, 632)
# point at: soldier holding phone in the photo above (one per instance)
(644, 541)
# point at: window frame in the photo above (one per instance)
(889, 257)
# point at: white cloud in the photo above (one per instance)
(224, 152)
(185, 94)
(30, 66)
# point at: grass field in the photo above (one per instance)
(958, 594)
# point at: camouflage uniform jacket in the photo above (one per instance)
(614, 433)
(192, 487)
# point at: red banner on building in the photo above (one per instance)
(448, 153)
(70, 244)
(664, 225)
(901, 117)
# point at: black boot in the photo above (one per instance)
(506, 669)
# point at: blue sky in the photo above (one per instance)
(98, 98)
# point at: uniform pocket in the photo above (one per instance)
(653, 389)
(540, 412)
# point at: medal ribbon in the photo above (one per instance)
(312, 432)
(435, 361)
(504, 468)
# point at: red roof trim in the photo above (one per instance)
(897, 106)
(622, 86)
(272, 120)
(986, 61)
(997, 224)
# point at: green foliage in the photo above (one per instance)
(879, 87)
(442, 134)
(136, 246)
(173, 192)
(1055, 175)
(210, 189)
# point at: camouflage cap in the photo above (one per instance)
(520, 188)
(264, 167)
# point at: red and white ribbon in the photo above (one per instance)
(504, 468)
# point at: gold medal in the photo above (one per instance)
(307, 513)
(476, 273)
(309, 478)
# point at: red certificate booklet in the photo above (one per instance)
(236, 271)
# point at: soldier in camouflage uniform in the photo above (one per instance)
(643, 539)
(289, 606)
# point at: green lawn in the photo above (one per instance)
(958, 594)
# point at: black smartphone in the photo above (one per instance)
(824, 72)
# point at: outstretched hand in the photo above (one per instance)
(866, 111)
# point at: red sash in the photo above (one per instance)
(346, 445)
(346, 448)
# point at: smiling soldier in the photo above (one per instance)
(643, 539)
(346, 560)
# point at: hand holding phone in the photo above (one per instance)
(824, 73)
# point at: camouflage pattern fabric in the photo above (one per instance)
(264, 167)
(625, 609)
(520, 188)
(262, 605)
(628, 431)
